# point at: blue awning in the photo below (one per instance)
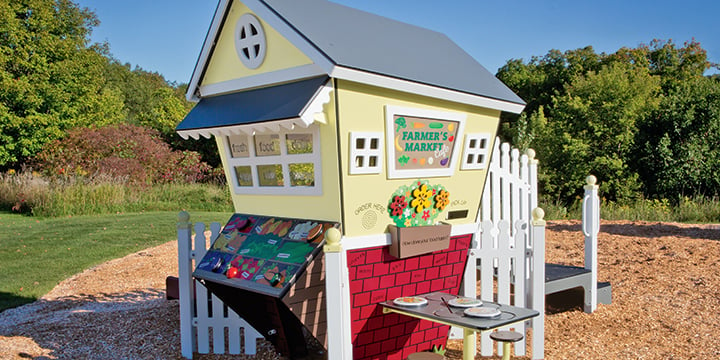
(286, 105)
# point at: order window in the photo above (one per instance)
(284, 162)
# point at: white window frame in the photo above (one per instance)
(394, 173)
(284, 159)
(366, 154)
(476, 151)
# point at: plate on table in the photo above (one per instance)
(464, 302)
(482, 312)
(410, 301)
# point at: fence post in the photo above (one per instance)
(591, 227)
(538, 299)
(338, 341)
(185, 283)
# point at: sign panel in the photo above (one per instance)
(239, 146)
(267, 145)
(422, 143)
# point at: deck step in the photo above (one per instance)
(564, 277)
(604, 293)
(555, 272)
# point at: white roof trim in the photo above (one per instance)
(290, 33)
(412, 87)
(268, 126)
(210, 38)
(313, 111)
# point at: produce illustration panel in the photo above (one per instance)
(262, 253)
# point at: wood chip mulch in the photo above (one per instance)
(665, 303)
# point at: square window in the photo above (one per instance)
(374, 143)
(243, 174)
(239, 146)
(270, 175)
(359, 161)
(267, 145)
(475, 151)
(299, 143)
(302, 174)
(281, 162)
(365, 152)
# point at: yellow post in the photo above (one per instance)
(469, 346)
(506, 351)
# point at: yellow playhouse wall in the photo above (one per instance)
(323, 207)
(366, 197)
(224, 62)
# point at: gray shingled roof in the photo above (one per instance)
(360, 40)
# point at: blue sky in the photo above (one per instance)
(166, 36)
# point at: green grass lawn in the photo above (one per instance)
(37, 254)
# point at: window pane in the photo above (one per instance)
(299, 143)
(302, 174)
(243, 175)
(267, 145)
(239, 146)
(270, 175)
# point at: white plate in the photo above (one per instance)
(464, 302)
(410, 301)
(483, 312)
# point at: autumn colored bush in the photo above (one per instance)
(131, 153)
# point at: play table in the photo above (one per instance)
(435, 310)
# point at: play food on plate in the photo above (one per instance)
(464, 302)
(410, 301)
(482, 312)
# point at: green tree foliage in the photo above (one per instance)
(643, 120)
(50, 79)
(678, 144)
(150, 101)
(593, 130)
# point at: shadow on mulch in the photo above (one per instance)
(567, 300)
(649, 230)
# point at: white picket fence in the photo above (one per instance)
(205, 319)
(509, 249)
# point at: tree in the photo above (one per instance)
(593, 130)
(639, 119)
(678, 151)
(50, 79)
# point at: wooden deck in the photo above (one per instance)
(563, 277)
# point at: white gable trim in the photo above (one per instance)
(204, 57)
(261, 80)
(412, 87)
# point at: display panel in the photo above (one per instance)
(262, 254)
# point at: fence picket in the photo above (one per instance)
(200, 312)
(505, 253)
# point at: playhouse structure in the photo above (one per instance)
(331, 118)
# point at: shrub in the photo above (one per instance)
(133, 153)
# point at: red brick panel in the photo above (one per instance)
(377, 276)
